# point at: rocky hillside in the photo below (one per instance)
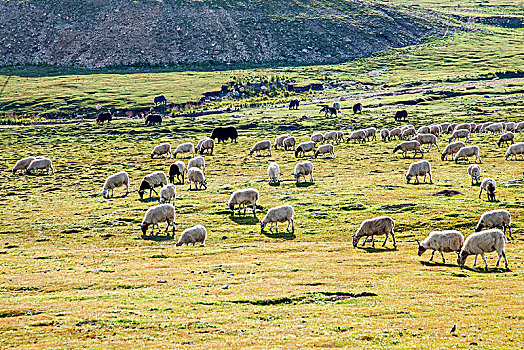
(100, 33)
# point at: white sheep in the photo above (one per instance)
(273, 171)
(167, 194)
(484, 126)
(408, 146)
(519, 127)
(459, 134)
(304, 147)
(155, 215)
(451, 128)
(494, 219)
(206, 145)
(282, 213)
(420, 168)
(483, 242)
(423, 130)
(187, 147)
(444, 127)
(451, 149)
(325, 149)
(38, 164)
(473, 127)
(303, 169)
(463, 126)
(495, 128)
(474, 172)
(279, 141)
(427, 139)
(371, 133)
(408, 132)
(196, 175)
(331, 136)
(177, 168)
(340, 136)
(150, 181)
(260, 146)
(197, 162)
(442, 241)
(22, 164)
(466, 152)
(116, 180)
(490, 186)
(514, 150)
(162, 149)
(193, 235)
(317, 138)
(357, 135)
(395, 133)
(243, 198)
(381, 225)
(435, 129)
(289, 143)
(384, 134)
(506, 138)
(511, 126)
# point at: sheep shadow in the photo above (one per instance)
(274, 184)
(435, 263)
(304, 184)
(377, 250)
(196, 189)
(482, 270)
(287, 235)
(149, 200)
(244, 219)
(157, 238)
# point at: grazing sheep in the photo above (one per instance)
(474, 172)
(193, 235)
(289, 143)
(282, 213)
(506, 138)
(329, 110)
(22, 164)
(423, 130)
(155, 215)
(303, 169)
(162, 149)
(223, 133)
(401, 115)
(408, 146)
(451, 149)
(427, 139)
(371, 133)
(317, 138)
(357, 135)
(325, 149)
(519, 127)
(197, 162)
(340, 136)
(384, 134)
(40, 163)
(451, 128)
(463, 126)
(435, 129)
(304, 147)
(514, 150)
(490, 186)
(381, 225)
(406, 133)
(187, 147)
(150, 181)
(243, 198)
(357, 108)
(495, 128)
(273, 171)
(331, 136)
(420, 168)
(466, 152)
(483, 242)
(484, 126)
(459, 134)
(168, 193)
(196, 175)
(395, 133)
(206, 145)
(178, 168)
(444, 127)
(473, 127)
(113, 181)
(279, 141)
(511, 126)
(442, 241)
(260, 146)
(494, 219)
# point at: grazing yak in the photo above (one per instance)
(329, 110)
(102, 117)
(160, 100)
(222, 133)
(153, 119)
(293, 104)
(401, 115)
(357, 108)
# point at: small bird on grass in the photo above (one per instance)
(453, 329)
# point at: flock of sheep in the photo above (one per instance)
(487, 238)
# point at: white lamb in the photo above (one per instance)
(451, 149)
(206, 145)
(515, 150)
(167, 194)
(495, 128)
(427, 139)
(289, 143)
(371, 133)
(273, 171)
(444, 127)
(442, 241)
(244, 198)
(38, 164)
(423, 130)
(407, 133)
(420, 168)
(22, 164)
(493, 219)
(409, 146)
(113, 181)
(340, 136)
(463, 126)
(459, 134)
(331, 136)
(278, 214)
(435, 129)
(159, 213)
(193, 235)
(304, 147)
(317, 138)
(162, 149)
(384, 134)
(474, 172)
(279, 141)
(381, 225)
(483, 242)
(196, 175)
(357, 135)
(490, 186)
(150, 181)
(466, 152)
(197, 162)
(519, 127)
(511, 126)
(187, 147)
(303, 169)
(325, 149)
(506, 138)
(260, 146)
(395, 133)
